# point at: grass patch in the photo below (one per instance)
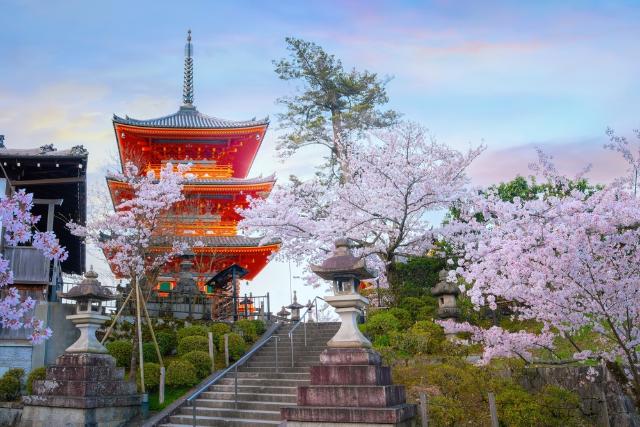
(170, 394)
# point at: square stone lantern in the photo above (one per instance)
(84, 387)
(350, 386)
(447, 294)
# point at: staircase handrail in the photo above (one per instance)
(295, 326)
(191, 400)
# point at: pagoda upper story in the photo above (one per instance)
(216, 148)
(220, 153)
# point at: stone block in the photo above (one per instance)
(391, 415)
(352, 396)
(350, 375)
(350, 356)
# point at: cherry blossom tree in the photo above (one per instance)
(18, 223)
(393, 182)
(569, 262)
(126, 234)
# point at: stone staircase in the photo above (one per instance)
(261, 390)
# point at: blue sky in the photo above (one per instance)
(510, 74)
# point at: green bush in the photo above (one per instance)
(35, 374)
(9, 388)
(192, 343)
(149, 353)
(201, 361)
(403, 316)
(248, 328)
(167, 342)
(261, 328)
(237, 346)
(380, 323)
(218, 329)
(181, 373)
(17, 373)
(192, 331)
(121, 350)
(151, 376)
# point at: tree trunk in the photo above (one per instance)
(134, 355)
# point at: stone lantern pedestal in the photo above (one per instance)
(84, 387)
(349, 387)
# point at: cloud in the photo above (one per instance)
(569, 156)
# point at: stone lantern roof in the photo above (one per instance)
(295, 305)
(342, 263)
(283, 312)
(443, 287)
(89, 288)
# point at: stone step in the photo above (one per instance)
(228, 413)
(272, 368)
(272, 363)
(184, 421)
(242, 404)
(254, 388)
(264, 381)
(250, 397)
(273, 375)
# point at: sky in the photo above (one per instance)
(511, 75)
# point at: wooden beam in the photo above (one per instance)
(49, 181)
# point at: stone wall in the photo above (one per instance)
(621, 409)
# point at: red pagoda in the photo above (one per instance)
(221, 153)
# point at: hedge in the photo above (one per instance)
(237, 346)
(35, 375)
(181, 373)
(151, 376)
(193, 343)
(167, 342)
(201, 361)
(191, 331)
(121, 350)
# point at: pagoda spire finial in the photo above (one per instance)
(187, 91)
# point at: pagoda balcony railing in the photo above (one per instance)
(201, 169)
(28, 264)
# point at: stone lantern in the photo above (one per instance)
(186, 290)
(447, 294)
(283, 313)
(309, 306)
(84, 387)
(345, 272)
(349, 386)
(295, 307)
(89, 314)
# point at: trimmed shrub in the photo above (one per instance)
(237, 346)
(121, 350)
(181, 373)
(261, 328)
(192, 343)
(403, 316)
(9, 388)
(151, 376)
(248, 328)
(167, 342)
(380, 323)
(35, 375)
(192, 331)
(17, 373)
(218, 329)
(201, 361)
(149, 352)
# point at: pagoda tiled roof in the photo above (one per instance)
(188, 117)
(77, 152)
(215, 241)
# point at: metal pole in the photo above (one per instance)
(162, 381)
(305, 333)
(424, 415)
(291, 342)
(277, 339)
(193, 405)
(315, 300)
(246, 309)
(211, 356)
(493, 411)
(236, 386)
(140, 353)
(268, 307)
(226, 349)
